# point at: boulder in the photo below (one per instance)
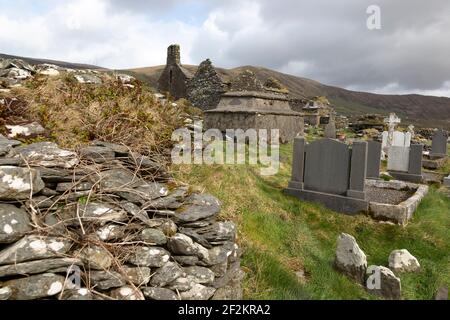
(403, 261)
(14, 223)
(159, 294)
(350, 259)
(383, 282)
(148, 256)
(34, 247)
(35, 287)
(166, 274)
(46, 154)
(19, 183)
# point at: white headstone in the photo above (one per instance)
(398, 159)
(398, 139)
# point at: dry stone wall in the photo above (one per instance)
(107, 223)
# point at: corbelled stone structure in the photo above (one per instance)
(249, 106)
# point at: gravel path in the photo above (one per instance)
(389, 196)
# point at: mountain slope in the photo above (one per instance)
(64, 64)
(413, 108)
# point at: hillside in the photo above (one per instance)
(418, 109)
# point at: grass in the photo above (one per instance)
(281, 235)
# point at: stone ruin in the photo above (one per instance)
(330, 172)
(249, 106)
(107, 223)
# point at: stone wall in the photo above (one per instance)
(205, 88)
(113, 223)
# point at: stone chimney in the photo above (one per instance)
(173, 54)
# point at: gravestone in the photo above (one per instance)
(330, 172)
(447, 181)
(373, 159)
(330, 128)
(439, 145)
(405, 163)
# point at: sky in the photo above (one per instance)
(325, 40)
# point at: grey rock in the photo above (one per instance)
(14, 223)
(41, 202)
(388, 285)
(46, 154)
(173, 200)
(219, 254)
(6, 145)
(97, 154)
(198, 292)
(137, 275)
(200, 275)
(104, 280)
(80, 186)
(219, 232)
(186, 260)
(403, 261)
(159, 294)
(15, 183)
(38, 266)
(149, 256)
(117, 148)
(127, 293)
(181, 284)
(26, 130)
(5, 293)
(195, 236)
(442, 293)
(181, 244)
(198, 207)
(88, 79)
(350, 259)
(77, 294)
(111, 232)
(154, 236)
(34, 247)
(166, 274)
(35, 287)
(102, 213)
(96, 257)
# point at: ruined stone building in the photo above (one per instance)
(248, 105)
(174, 77)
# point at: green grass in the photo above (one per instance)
(281, 235)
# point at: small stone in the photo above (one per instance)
(26, 130)
(127, 293)
(101, 213)
(198, 292)
(65, 186)
(159, 294)
(46, 154)
(219, 232)
(104, 280)
(15, 183)
(88, 79)
(403, 261)
(96, 257)
(200, 275)
(181, 284)
(442, 293)
(138, 275)
(97, 154)
(117, 148)
(149, 256)
(166, 274)
(186, 260)
(35, 287)
(182, 244)
(77, 294)
(34, 247)
(5, 293)
(350, 259)
(383, 282)
(154, 236)
(198, 207)
(14, 223)
(110, 232)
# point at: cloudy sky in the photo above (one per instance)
(325, 40)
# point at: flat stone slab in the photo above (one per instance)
(15, 183)
(14, 223)
(46, 154)
(39, 266)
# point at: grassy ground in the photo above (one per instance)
(281, 236)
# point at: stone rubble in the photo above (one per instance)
(130, 236)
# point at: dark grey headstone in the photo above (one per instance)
(358, 170)
(415, 159)
(327, 166)
(298, 163)
(439, 143)
(373, 159)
